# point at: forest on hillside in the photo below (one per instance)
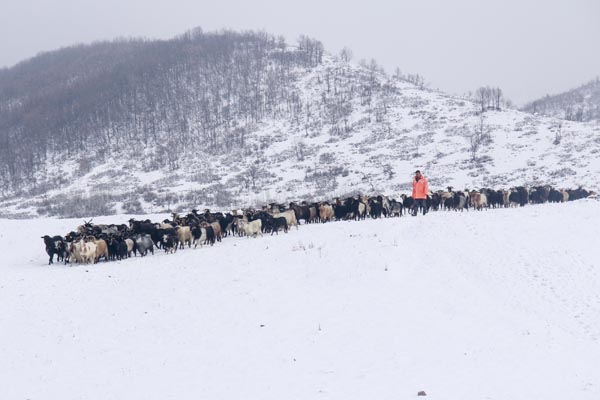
(581, 104)
(196, 92)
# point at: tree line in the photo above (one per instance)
(581, 104)
(196, 91)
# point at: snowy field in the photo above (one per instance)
(500, 304)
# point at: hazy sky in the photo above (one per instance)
(527, 47)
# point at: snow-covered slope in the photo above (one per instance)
(579, 104)
(352, 128)
(500, 304)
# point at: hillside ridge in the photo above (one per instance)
(228, 118)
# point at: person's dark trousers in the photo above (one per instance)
(419, 203)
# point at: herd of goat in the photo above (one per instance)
(90, 243)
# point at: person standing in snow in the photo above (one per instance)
(419, 193)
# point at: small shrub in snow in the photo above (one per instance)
(77, 206)
(327, 158)
(84, 165)
(223, 198)
(563, 172)
(133, 206)
(149, 196)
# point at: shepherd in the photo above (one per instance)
(419, 193)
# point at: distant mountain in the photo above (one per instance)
(226, 119)
(579, 104)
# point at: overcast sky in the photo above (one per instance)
(527, 47)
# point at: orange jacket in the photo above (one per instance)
(420, 188)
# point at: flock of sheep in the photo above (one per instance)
(91, 243)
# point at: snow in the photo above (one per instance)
(499, 304)
(377, 155)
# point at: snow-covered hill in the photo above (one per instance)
(323, 128)
(579, 104)
(502, 305)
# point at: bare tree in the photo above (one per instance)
(488, 97)
(474, 144)
(482, 127)
(557, 133)
(253, 172)
(416, 80)
(478, 137)
(418, 141)
(482, 98)
(498, 97)
(300, 149)
(346, 54)
(398, 73)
